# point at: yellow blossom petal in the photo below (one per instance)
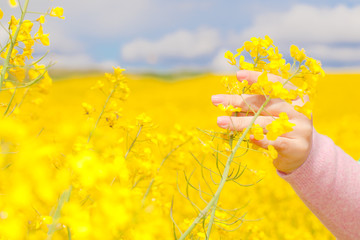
(44, 38)
(271, 151)
(41, 19)
(279, 127)
(306, 109)
(47, 220)
(18, 72)
(297, 54)
(230, 56)
(229, 110)
(57, 12)
(258, 132)
(13, 3)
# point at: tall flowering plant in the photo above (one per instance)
(294, 83)
(18, 68)
(20, 74)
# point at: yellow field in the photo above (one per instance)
(107, 194)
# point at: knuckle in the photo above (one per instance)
(257, 101)
(282, 144)
(306, 130)
(237, 123)
(261, 122)
(231, 99)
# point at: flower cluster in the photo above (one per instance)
(116, 90)
(303, 75)
(18, 67)
(296, 81)
(290, 83)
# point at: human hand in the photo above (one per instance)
(293, 147)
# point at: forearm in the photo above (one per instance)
(329, 184)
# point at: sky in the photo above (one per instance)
(193, 35)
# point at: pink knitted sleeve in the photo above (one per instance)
(329, 184)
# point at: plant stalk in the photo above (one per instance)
(12, 44)
(213, 202)
(100, 115)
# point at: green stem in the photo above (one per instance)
(102, 112)
(69, 232)
(10, 102)
(3, 48)
(158, 170)
(211, 219)
(64, 198)
(133, 142)
(213, 211)
(213, 201)
(291, 77)
(28, 84)
(23, 97)
(12, 44)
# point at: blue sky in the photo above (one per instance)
(166, 35)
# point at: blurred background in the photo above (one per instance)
(159, 43)
(188, 35)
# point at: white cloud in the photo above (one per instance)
(99, 18)
(341, 54)
(309, 24)
(181, 44)
(327, 34)
(60, 41)
(109, 18)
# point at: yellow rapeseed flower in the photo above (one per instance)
(258, 132)
(88, 108)
(230, 56)
(229, 109)
(47, 219)
(13, 3)
(13, 23)
(278, 91)
(271, 151)
(245, 65)
(297, 54)
(306, 109)
(41, 19)
(10, 86)
(1, 14)
(44, 38)
(6, 74)
(143, 118)
(57, 12)
(18, 72)
(279, 126)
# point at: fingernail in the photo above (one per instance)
(242, 75)
(223, 121)
(217, 99)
